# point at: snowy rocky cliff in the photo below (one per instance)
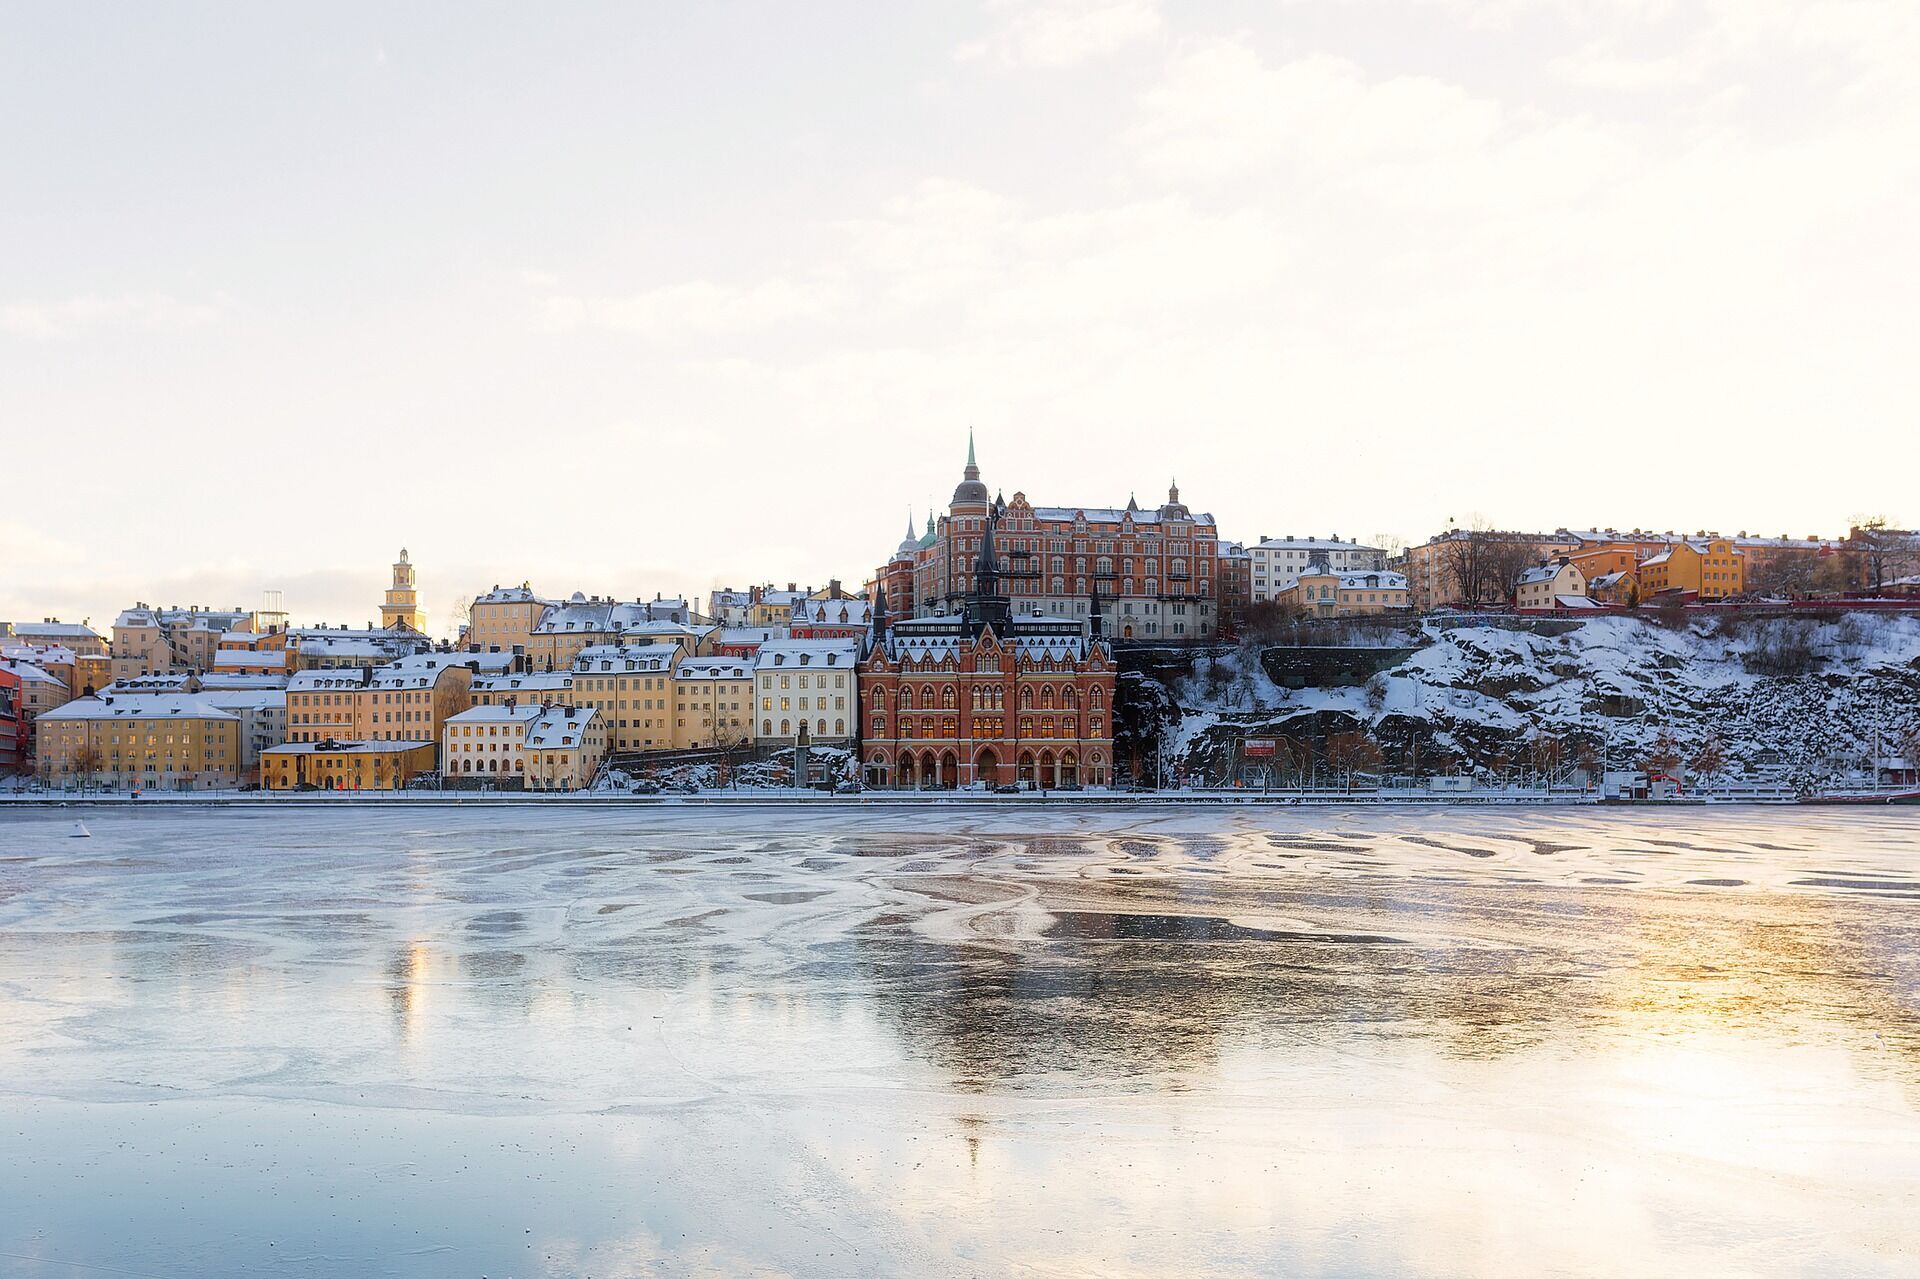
(1799, 698)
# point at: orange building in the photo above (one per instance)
(1712, 570)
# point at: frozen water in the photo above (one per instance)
(547, 1041)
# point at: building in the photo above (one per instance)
(712, 703)
(1323, 592)
(807, 682)
(565, 748)
(167, 741)
(1233, 580)
(537, 688)
(585, 622)
(16, 741)
(1277, 560)
(1559, 583)
(986, 696)
(827, 618)
(744, 641)
(334, 647)
(78, 636)
(488, 742)
(335, 765)
(631, 685)
(1464, 568)
(401, 607)
(1620, 589)
(504, 618)
(1713, 569)
(1153, 570)
(407, 701)
(156, 641)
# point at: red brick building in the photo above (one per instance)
(15, 729)
(1154, 572)
(986, 695)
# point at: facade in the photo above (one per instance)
(538, 688)
(744, 641)
(407, 701)
(1710, 570)
(712, 702)
(1435, 568)
(156, 641)
(986, 696)
(1619, 589)
(585, 622)
(504, 618)
(1550, 586)
(78, 636)
(16, 744)
(401, 607)
(842, 618)
(631, 686)
(1234, 582)
(143, 742)
(1153, 571)
(1325, 593)
(810, 683)
(335, 647)
(565, 748)
(1277, 560)
(337, 765)
(488, 742)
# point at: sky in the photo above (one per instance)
(651, 298)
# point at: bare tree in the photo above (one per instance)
(1664, 756)
(85, 763)
(1710, 760)
(1885, 553)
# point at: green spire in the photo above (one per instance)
(970, 461)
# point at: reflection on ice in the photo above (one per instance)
(549, 1042)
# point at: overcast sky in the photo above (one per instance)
(638, 298)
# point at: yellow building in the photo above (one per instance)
(488, 742)
(1619, 589)
(565, 748)
(632, 688)
(538, 688)
(140, 743)
(1545, 586)
(54, 633)
(1712, 569)
(712, 702)
(340, 765)
(409, 700)
(504, 618)
(160, 641)
(1329, 594)
(402, 605)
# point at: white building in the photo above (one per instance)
(565, 747)
(810, 682)
(1277, 561)
(1555, 584)
(488, 742)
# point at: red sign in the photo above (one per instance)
(1258, 746)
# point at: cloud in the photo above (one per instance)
(1062, 33)
(140, 312)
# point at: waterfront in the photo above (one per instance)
(971, 1041)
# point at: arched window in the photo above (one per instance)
(1046, 697)
(926, 696)
(1096, 696)
(879, 700)
(947, 698)
(786, 728)
(1068, 698)
(1026, 698)
(906, 699)
(839, 728)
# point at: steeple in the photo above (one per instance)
(880, 612)
(970, 491)
(973, 467)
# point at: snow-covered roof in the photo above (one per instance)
(1573, 601)
(1108, 515)
(344, 748)
(560, 727)
(801, 654)
(30, 673)
(139, 706)
(544, 681)
(714, 668)
(37, 631)
(196, 618)
(423, 670)
(246, 658)
(41, 654)
(626, 657)
(163, 683)
(1606, 581)
(832, 613)
(521, 714)
(750, 634)
(1311, 544)
(521, 594)
(244, 699)
(1542, 573)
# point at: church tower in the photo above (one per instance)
(402, 606)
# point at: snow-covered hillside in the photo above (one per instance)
(1798, 696)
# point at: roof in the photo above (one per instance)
(54, 630)
(138, 706)
(495, 714)
(1310, 544)
(556, 681)
(41, 654)
(715, 668)
(345, 748)
(750, 634)
(1107, 515)
(1573, 601)
(798, 653)
(559, 727)
(521, 594)
(626, 657)
(29, 672)
(847, 612)
(1542, 573)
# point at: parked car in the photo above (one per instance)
(305, 786)
(1007, 788)
(644, 786)
(848, 788)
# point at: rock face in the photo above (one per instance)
(1802, 699)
